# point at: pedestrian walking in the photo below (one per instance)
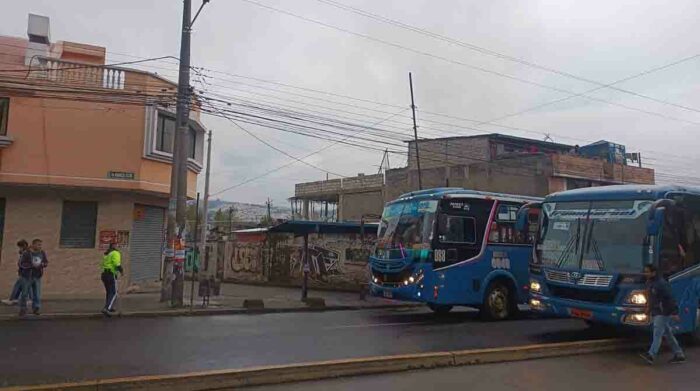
(111, 264)
(663, 309)
(31, 267)
(22, 246)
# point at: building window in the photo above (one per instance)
(4, 112)
(165, 134)
(78, 224)
(192, 136)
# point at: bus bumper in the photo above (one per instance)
(596, 313)
(403, 293)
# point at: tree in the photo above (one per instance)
(267, 221)
(224, 219)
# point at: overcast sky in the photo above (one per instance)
(604, 41)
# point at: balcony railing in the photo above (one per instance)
(87, 75)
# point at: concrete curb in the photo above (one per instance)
(203, 312)
(277, 374)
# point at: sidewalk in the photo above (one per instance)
(231, 301)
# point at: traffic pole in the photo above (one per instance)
(205, 207)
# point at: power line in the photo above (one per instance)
(496, 54)
(275, 148)
(460, 63)
(294, 161)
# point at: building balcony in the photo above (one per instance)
(577, 167)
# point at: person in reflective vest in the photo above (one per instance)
(111, 264)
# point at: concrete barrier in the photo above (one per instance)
(315, 302)
(277, 374)
(253, 304)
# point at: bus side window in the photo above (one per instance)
(680, 246)
(503, 228)
(457, 229)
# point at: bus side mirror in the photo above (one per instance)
(657, 215)
(656, 221)
(522, 219)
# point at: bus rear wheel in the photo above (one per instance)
(440, 309)
(498, 302)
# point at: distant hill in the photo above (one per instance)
(249, 212)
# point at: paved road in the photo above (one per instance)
(600, 372)
(52, 351)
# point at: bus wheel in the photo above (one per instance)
(440, 309)
(497, 302)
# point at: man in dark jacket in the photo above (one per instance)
(31, 268)
(662, 309)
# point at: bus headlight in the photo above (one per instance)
(535, 286)
(636, 319)
(636, 298)
(411, 279)
(536, 304)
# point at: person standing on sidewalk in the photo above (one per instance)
(31, 267)
(111, 264)
(22, 245)
(662, 309)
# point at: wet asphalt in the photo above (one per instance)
(33, 352)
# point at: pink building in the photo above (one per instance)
(85, 157)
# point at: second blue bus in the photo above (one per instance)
(451, 247)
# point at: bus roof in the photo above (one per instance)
(620, 192)
(458, 192)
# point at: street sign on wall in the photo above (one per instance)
(129, 176)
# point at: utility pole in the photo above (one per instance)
(415, 131)
(269, 211)
(195, 252)
(230, 220)
(205, 206)
(173, 278)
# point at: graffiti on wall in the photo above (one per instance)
(334, 260)
(322, 262)
(245, 259)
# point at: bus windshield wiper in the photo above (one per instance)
(573, 243)
(596, 250)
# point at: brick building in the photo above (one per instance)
(489, 162)
(85, 158)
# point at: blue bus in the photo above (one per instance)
(453, 247)
(592, 245)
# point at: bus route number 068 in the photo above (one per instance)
(439, 256)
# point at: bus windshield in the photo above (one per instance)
(407, 225)
(597, 235)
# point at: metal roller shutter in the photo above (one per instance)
(147, 244)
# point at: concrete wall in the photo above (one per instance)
(336, 261)
(354, 205)
(599, 170)
(522, 176)
(31, 214)
(448, 152)
(396, 183)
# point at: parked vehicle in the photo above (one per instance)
(453, 247)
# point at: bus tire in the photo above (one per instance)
(440, 309)
(498, 302)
